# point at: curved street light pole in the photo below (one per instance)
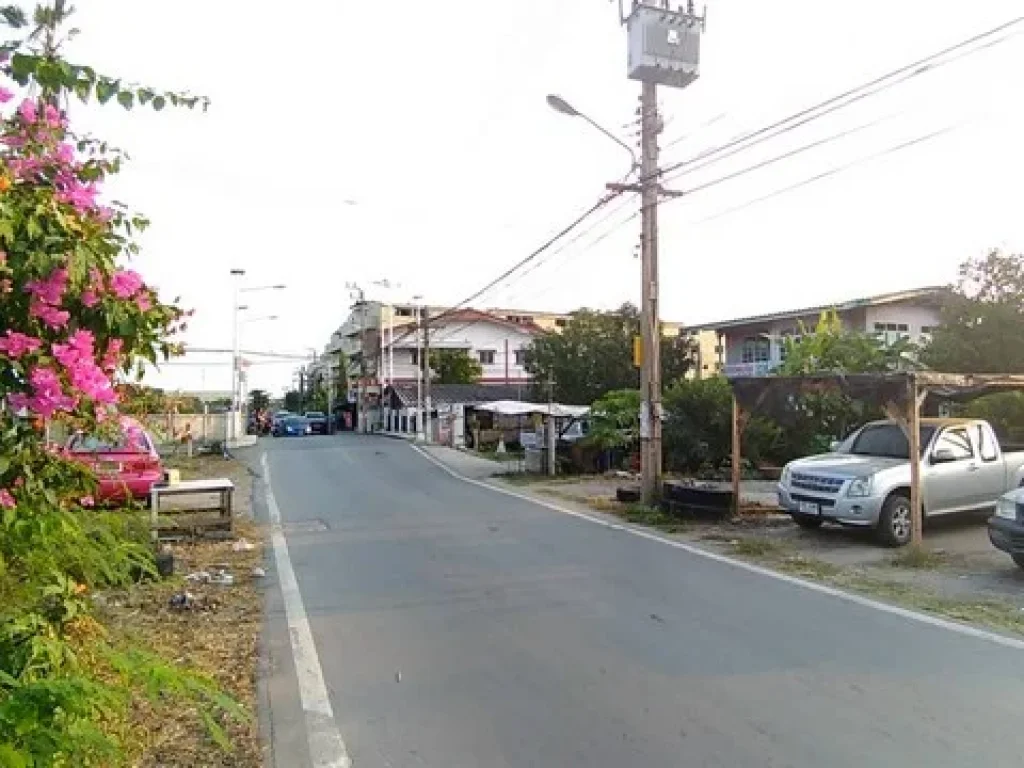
(561, 106)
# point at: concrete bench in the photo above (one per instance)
(221, 487)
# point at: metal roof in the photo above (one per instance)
(896, 297)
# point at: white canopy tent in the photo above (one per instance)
(520, 408)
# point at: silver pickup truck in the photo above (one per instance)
(865, 481)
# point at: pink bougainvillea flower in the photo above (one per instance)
(15, 344)
(143, 302)
(6, 94)
(89, 298)
(125, 283)
(28, 111)
(51, 316)
(87, 501)
(47, 396)
(112, 355)
(52, 115)
(6, 499)
(65, 153)
(104, 214)
(51, 290)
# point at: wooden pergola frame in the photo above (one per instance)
(900, 394)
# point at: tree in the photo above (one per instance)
(697, 431)
(594, 354)
(454, 366)
(615, 419)
(259, 400)
(341, 382)
(819, 418)
(982, 328)
(293, 401)
(75, 322)
(831, 348)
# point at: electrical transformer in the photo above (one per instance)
(663, 46)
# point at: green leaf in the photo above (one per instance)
(12, 758)
(5, 464)
(126, 99)
(23, 67)
(145, 95)
(159, 103)
(105, 90)
(83, 89)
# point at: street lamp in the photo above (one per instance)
(238, 274)
(561, 106)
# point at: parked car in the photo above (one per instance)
(126, 467)
(1006, 526)
(865, 481)
(291, 426)
(317, 421)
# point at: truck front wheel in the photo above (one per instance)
(894, 522)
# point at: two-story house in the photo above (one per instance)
(755, 346)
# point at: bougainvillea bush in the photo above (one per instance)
(75, 322)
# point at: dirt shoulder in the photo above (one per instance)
(216, 633)
(956, 574)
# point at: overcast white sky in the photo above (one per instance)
(431, 117)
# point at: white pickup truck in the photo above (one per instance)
(865, 481)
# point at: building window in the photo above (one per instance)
(414, 357)
(756, 350)
(520, 357)
(403, 312)
(486, 356)
(560, 322)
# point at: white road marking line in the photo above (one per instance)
(326, 747)
(923, 618)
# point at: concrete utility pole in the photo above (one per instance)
(664, 47)
(425, 367)
(650, 317)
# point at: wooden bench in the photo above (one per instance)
(219, 486)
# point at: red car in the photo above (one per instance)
(126, 468)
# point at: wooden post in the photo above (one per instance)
(914, 438)
(737, 456)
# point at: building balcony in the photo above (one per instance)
(743, 370)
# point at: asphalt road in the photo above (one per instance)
(457, 627)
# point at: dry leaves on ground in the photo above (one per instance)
(217, 635)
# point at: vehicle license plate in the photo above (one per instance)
(808, 508)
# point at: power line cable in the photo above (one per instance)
(834, 171)
(848, 97)
(789, 123)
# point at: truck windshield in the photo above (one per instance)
(887, 440)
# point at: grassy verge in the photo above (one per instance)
(218, 637)
(995, 614)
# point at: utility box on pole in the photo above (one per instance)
(663, 46)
